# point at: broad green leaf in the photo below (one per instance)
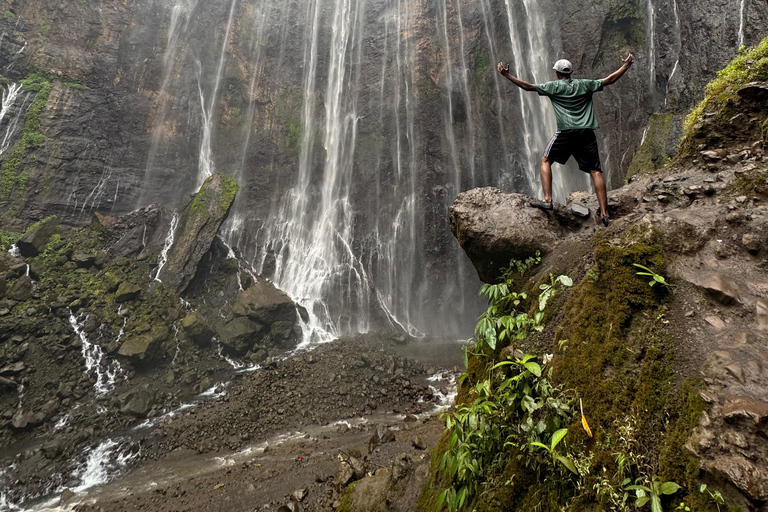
(558, 436)
(642, 501)
(441, 499)
(461, 497)
(534, 368)
(540, 445)
(640, 490)
(656, 503)
(565, 280)
(669, 488)
(568, 464)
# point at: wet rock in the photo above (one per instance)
(138, 401)
(197, 229)
(26, 419)
(493, 228)
(761, 308)
(401, 467)
(744, 474)
(299, 494)
(239, 335)
(265, 304)
(127, 292)
(13, 369)
(720, 287)
(197, 329)
(418, 443)
(67, 496)
(36, 238)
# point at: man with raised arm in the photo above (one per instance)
(576, 125)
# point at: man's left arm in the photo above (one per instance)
(614, 77)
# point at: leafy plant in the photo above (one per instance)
(655, 278)
(715, 495)
(556, 438)
(653, 492)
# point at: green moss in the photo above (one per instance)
(8, 15)
(7, 239)
(31, 137)
(752, 183)
(75, 85)
(47, 23)
(751, 65)
(765, 132)
(293, 139)
(482, 61)
(652, 153)
(228, 193)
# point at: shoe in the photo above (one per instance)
(544, 205)
(605, 220)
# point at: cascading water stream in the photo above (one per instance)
(742, 15)
(206, 165)
(106, 372)
(10, 94)
(163, 259)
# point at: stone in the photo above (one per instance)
(13, 369)
(579, 210)
(144, 346)
(418, 443)
(239, 335)
(402, 466)
(299, 494)
(264, 303)
(24, 419)
(721, 288)
(494, 228)
(21, 289)
(344, 475)
(761, 309)
(715, 321)
(737, 408)
(33, 242)
(384, 434)
(752, 242)
(138, 401)
(67, 496)
(712, 156)
(197, 228)
(197, 329)
(127, 292)
(83, 260)
(744, 474)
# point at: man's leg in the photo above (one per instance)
(602, 196)
(546, 178)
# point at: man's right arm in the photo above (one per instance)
(614, 77)
(520, 83)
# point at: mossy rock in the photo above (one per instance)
(144, 346)
(36, 238)
(127, 292)
(197, 329)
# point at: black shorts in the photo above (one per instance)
(582, 144)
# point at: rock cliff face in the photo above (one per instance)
(352, 126)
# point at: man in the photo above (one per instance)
(576, 125)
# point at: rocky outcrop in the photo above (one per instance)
(198, 226)
(493, 228)
(36, 238)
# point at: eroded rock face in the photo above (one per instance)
(197, 228)
(493, 228)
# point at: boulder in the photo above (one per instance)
(239, 335)
(33, 242)
(494, 228)
(196, 230)
(197, 329)
(264, 303)
(138, 401)
(21, 289)
(127, 292)
(144, 346)
(26, 419)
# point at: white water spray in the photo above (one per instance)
(106, 371)
(169, 238)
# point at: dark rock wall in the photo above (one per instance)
(150, 96)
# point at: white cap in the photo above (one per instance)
(563, 66)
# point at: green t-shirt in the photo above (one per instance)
(572, 101)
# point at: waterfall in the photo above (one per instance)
(651, 13)
(106, 372)
(10, 94)
(742, 15)
(167, 244)
(205, 162)
(351, 143)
